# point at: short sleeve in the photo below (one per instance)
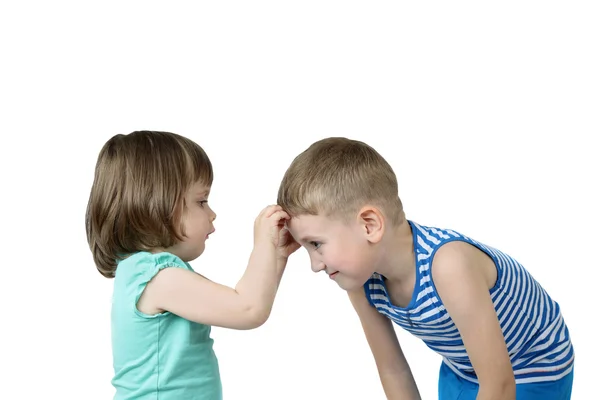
(135, 272)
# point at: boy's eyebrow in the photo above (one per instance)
(309, 238)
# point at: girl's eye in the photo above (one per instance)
(316, 245)
(202, 203)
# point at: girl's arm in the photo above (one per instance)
(193, 297)
(463, 276)
(394, 371)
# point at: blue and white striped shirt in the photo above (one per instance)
(536, 336)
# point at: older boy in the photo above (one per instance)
(500, 334)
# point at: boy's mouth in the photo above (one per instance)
(333, 274)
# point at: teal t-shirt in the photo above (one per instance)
(162, 356)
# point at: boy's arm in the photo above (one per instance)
(459, 277)
(394, 371)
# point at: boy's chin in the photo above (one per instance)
(348, 286)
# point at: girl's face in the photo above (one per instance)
(197, 221)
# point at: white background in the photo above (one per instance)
(487, 113)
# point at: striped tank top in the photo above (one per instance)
(536, 336)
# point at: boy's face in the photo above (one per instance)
(341, 249)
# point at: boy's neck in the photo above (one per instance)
(398, 253)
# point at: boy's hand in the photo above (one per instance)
(268, 228)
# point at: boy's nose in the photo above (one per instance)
(318, 266)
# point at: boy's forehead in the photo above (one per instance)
(306, 225)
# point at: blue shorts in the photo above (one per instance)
(453, 387)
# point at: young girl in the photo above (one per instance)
(147, 218)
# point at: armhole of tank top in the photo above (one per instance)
(479, 247)
(494, 259)
(432, 257)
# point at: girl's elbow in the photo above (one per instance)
(254, 318)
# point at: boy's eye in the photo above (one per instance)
(202, 202)
(316, 245)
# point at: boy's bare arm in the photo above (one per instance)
(394, 371)
(459, 274)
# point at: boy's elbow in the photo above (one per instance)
(501, 389)
(508, 388)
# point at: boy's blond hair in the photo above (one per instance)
(337, 176)
(137, 198)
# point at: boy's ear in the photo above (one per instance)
(372, 223)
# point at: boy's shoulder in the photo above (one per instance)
(429, 239)
(428, 236)
(450, 246)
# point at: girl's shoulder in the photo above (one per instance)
(144, 265)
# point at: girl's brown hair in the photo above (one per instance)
(136, 200)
